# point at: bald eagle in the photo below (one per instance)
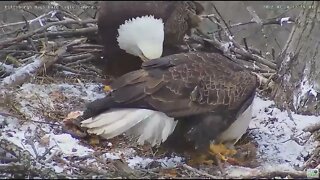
(148, 25)
(198, 98)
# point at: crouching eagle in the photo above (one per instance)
(154, 23)
(204, 99)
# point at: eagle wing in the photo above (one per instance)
(206, 91)
(186, 84)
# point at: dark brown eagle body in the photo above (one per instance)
(205, 92)
(177, 18)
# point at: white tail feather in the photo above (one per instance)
(147, 125)
(104, 119)
(142, 35)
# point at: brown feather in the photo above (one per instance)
(198, 81)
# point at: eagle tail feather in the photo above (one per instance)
(143, 124)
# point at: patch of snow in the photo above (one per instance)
(135, 161)
(138, 161)
(281, 140)
(285, 20)
(58, 169)
(7, 68)
(226, 46)
(238, 172)
(171, 162)
(165, 162)
(306, 88)
(68, 145)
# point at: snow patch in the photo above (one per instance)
(285, 20)
(306, 89)
(281, 140)
(68, 145)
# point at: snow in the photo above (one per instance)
(7, 68)
(282, 143)
(285, 20)
(306, 89)
(281, 140)
(226, 46)
(69, 145)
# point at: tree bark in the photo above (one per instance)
(298, 77)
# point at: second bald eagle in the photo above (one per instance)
(120, 21)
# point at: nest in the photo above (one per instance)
(61, 46)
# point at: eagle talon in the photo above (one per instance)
(221, 151)
(107, 88)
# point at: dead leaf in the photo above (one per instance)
(169, 172)
(73, 115)
(94, 140)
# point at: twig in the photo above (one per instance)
(81, 61)
(9, 42)
(44, 122)
(200, 172)
(88, 46)
(30, 140)
(44, 62)
(59, 66)
(254, 57)
(69, 33)
(289, 113)
(18, 51)
(256, 18)
(238, 49)
(30, 21)
(270, 21)
(47, 151)
(215, 8)
(73, 58)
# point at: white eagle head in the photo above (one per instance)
(142, 37)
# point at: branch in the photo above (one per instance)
(237, 48)
(9, 42)
(43, 62)
(69, 33)
(72, 58)
(271, 21)
(200, 172)
(59, 66)
(30, 21)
